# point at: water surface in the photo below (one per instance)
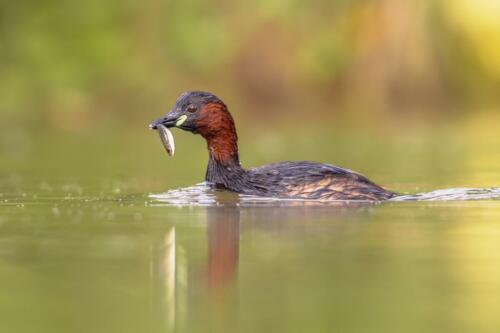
(95, 243)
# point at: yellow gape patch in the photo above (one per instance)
(180, 120)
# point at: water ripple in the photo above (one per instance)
(202, 195)
(453, 194)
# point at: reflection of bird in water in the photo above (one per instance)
(223, 244)
(205, 114)
(224, 227)
(226, 220)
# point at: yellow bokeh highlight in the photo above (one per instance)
(478, 21)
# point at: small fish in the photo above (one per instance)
(167, 139)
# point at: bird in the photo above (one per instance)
(205, 114)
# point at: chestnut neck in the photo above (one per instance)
(223, 164)
(218, 129)
(216, 125)
(223, 149)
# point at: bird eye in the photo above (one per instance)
(191, 108)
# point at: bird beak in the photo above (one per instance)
(168, 121)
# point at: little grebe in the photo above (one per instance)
(205, 114)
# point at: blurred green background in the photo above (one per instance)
(322, 80)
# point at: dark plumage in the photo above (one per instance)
(205, 114)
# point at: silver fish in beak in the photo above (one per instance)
(167, 139)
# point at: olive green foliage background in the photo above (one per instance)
(74, 64)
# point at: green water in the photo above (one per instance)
(84, 248)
